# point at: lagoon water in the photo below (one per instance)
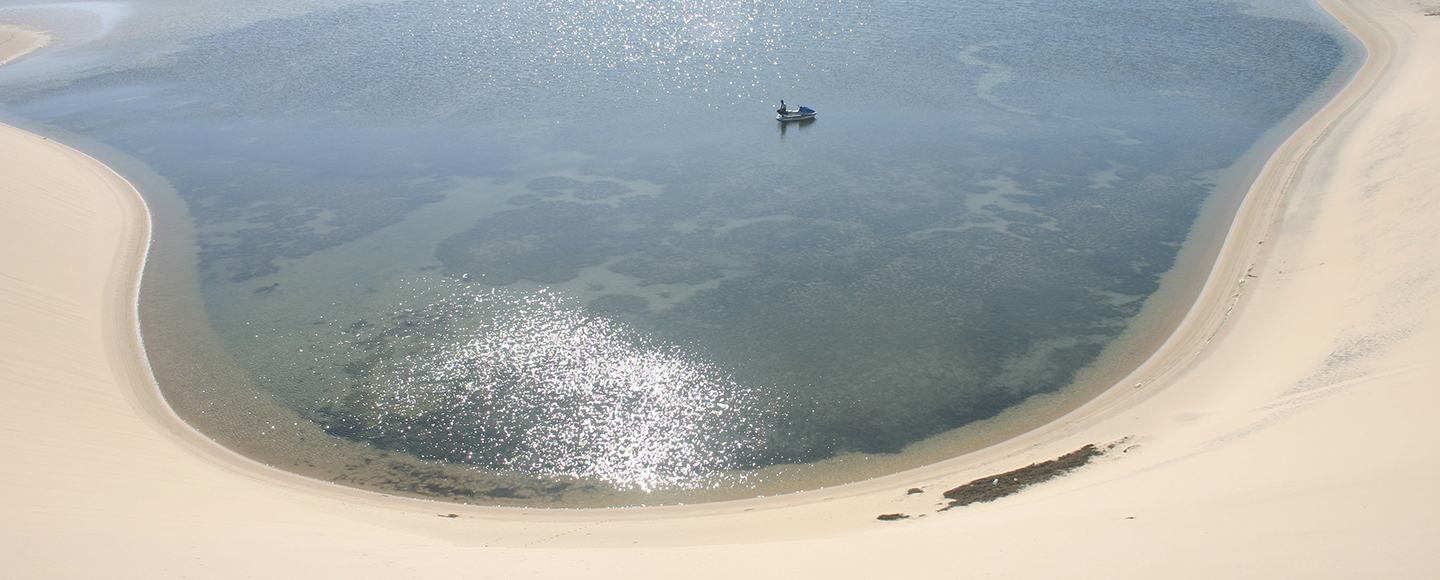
(560, 253)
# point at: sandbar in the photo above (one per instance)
(17, 42)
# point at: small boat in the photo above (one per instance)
(801, 114)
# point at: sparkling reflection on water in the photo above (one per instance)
(524, 382)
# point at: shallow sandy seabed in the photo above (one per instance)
(1286, 430)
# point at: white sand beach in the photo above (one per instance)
(1286, 430)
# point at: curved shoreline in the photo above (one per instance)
(1213, 432)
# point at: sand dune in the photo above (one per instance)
(1285, 430)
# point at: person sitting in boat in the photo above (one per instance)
(782, 107)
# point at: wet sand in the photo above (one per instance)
(1285, 429)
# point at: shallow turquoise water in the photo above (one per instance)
(567, 242)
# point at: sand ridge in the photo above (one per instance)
(1286, 429)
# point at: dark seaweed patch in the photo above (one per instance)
(292, 220)
(601, 190)
(994, 487)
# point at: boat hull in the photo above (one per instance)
(785, 115)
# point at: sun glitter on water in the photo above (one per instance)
(524, 382)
